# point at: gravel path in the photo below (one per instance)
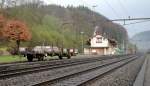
(124, 76)
(30, 79)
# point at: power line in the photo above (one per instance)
(137, 22)
(130, 19)
(140, 20)
(111, 8)
(123, 7)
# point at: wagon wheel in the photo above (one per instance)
(30, 57)
(60, 56)
(69, 56)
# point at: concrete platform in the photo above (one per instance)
(143, 78)
(147, 73)
(139, 81)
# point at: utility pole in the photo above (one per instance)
(63, 27)
(43, 44)
(62, 46)
(82, 33)
(94, 22)
(123, 47)
(76, 33)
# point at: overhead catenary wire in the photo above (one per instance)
(124, 8)
(126, 12)
(138, 22)
(130, 19)
(113, 10)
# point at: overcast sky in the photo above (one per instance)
(115, 9)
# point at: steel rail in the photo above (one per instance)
(7, 66)
(12, 73)
(64, 77)
(106, 73)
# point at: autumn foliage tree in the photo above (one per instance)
(17, 31)
(2, 21)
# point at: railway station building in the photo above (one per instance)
(100, 45)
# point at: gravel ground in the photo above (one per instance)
(30, 79)
(124, 76)
(38, 63)
(83, 77)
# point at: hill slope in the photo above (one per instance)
(142, 40)
(56, 25)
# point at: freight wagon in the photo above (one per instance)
(40, 52)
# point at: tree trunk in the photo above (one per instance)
(18, 45)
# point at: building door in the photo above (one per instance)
(100, 51)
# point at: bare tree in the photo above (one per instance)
(2, 2)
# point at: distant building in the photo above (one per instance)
(100, 45)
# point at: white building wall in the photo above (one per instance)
(100, 46)
(105, 51)
(104, 42)
(87, 51)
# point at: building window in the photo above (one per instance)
(99, 40)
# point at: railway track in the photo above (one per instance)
(3, 66)
(82, 77)
(47, 66)
(23, 65)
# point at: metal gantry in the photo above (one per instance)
(130, 19)
(137, 20)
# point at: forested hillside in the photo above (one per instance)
(54, 25)
(142, 40)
